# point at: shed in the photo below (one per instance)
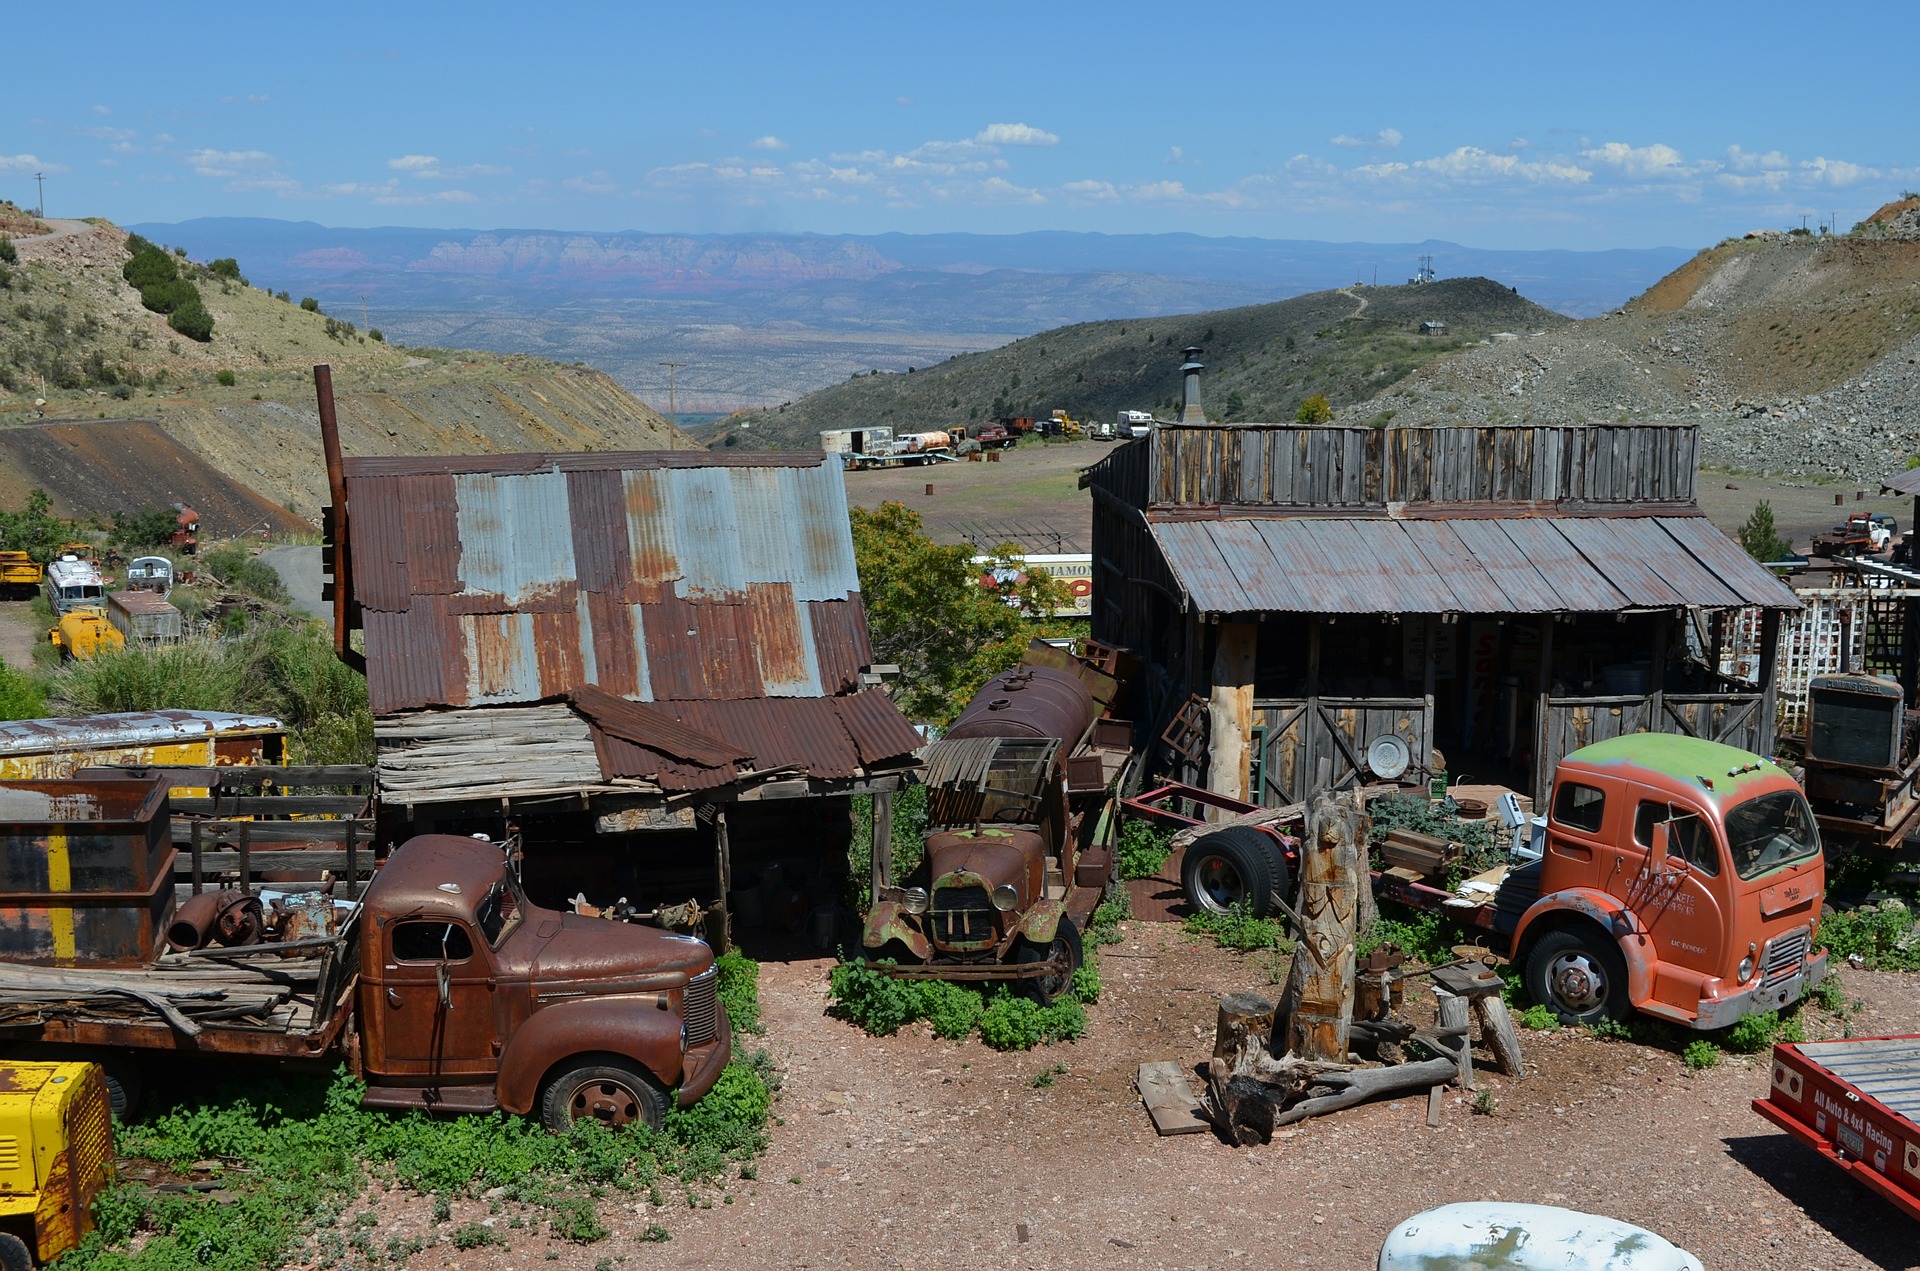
(617, 654)
(1493, 597)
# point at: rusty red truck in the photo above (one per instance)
(443, 986)
(1674, 876)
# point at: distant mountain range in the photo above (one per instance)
(763, 318)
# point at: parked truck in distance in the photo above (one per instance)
(443, 986)
(1673, 876)
(20, 575)
(74, 582)
(1135, 424)
(83, 634)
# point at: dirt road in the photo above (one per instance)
(1030, 494)
(20, 633)
(909, 1152)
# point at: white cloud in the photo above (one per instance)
(1385, 139)
(413, 163)
(227, 163)
(1825, 171)
(1656, 160)
(768, 142)
(109, 134)
(1102, 190)
(26, 163)
(102, 110)
(1014, 135)
(595, 182)
(1747, 160)
(1472, 164)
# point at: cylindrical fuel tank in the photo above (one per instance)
(1029, 701)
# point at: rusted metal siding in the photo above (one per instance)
(1565, 564)
(660, 577)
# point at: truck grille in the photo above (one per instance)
(1784, 955)
(701, 1010)
(962, 916)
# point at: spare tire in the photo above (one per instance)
(1229, 867)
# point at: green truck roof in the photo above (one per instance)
(1684, 759)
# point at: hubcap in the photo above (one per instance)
(1221, 887)
(1577, 983)
(608, 1102)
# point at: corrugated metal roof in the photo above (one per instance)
(135, 728)
(660, 576)
(1907, 482)
(1544, 564)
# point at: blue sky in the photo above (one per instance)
(1583, 126)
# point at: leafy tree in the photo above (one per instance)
(226, 267)
(192, 320)
(1315, 410)
(226, 378)
(33, 529)
(373, 333)
(309, 304)
(928, 612)
(1760, 539)
(148, 527)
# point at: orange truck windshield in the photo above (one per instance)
(1770, 831)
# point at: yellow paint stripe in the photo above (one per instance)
(60, 879)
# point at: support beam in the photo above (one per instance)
(723, 868)
(882, 844)
(1769, 662)
(1230, 710)
(1543, 715)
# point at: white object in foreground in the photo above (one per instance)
(1497, 1235)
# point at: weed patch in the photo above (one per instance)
(1239, 929)
(1885, 936)
(1143, 849)
(882, 1005)
(1116, 908)
(1700, 1055)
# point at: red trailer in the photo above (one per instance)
(1857, 1103)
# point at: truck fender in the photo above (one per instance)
(1042, 921)
(634, 1028)
(1586, 906)
(888, 921)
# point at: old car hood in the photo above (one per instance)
(610, 957)
(998, 856)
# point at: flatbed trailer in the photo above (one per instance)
(1857, 1103)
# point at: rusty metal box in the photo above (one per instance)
(86, 871)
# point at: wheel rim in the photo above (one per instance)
(1060, 954)
(608, 1102)
(1220, 886)
(1577, 982)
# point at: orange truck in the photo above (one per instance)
(1673, 876)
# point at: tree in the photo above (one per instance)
(1760, 539)
(226, 267)
(929, 613)
(192, 320)
(33, 529)
(148, 527)
(1315, 410)
(8, 252)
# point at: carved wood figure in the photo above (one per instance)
(1318, 1003)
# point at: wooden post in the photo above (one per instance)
(1455, 1017)
(1242, 1033)
(1318, 1003)
(723, 868)
(1230, 710)
(1543, 715)
(1769, 658)
(246, 852)
(1496, 1027)
(196, 856)
(353, 859)
(881, 864)
(1657, 673)
(1310, 717)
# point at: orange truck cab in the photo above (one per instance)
(1679, 877)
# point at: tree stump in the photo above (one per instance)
(1318, 1003)
(1496, 1028)
(1456, 1017)
(1242, 1033)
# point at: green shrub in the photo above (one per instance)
(952, 1011)
(872, 999)
(1884, 936)
(1012, 1023)
(234, 566)
(226, 379)
(309, 304)
(1421, 936)
(475, 1235)
(882, 1005)
(739, 990)
(373, 333)
(1114, 909)
(1143, 849)
(21, 695)
(1540, 1019)
(1086, 982)
(192, 320)
(149, 527)
(8, 252)
(225, 267)
(1753, 1034)
(1700, 1055)
(1238, 929)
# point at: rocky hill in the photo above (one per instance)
(76, 344)
(1798, 355)
(1263, 361)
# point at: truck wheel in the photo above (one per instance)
(14, 1255)
(1230, 867)
(613, 1093)
(1578, 976)
(1065, 946)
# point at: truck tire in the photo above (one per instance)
(1065, 944)
(1578, 975)
(1230, 867)
(14, 1254)
(603, 1088)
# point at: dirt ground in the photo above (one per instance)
(909, 1152)
(20, 633)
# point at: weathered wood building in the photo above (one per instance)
(1501, 595)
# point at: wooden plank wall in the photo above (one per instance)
(1732, 718)
(1299, 734)
(1288, 464)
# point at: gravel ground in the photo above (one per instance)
(909, 1152)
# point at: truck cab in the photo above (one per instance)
(471, 998)
(74, 582)
(1679, 877)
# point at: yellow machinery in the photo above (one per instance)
(56, 1154)
(20, 574)
(84, 633)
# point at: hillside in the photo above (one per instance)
(77, 345)
(1798, 355)
(1263, 361)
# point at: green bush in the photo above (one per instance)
(1238, 929)
(8, 253)
(1884, 936)
(234, 566)
(1700, 1055)
(192, 320)
(1115, 908)
(1143, 849)
(149, 527)
(373, 333)
(309, 304)
(882, 1005)
(21, 695)
(226, 379)
(739, 990)
(225, 267)
(1539, 1018)
(1013, 1023)
(877, 1002)
(952, 1011)
(1421, 936)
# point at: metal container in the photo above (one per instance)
(1031, 701)
(86, 871)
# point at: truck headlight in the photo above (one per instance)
(1746, 968)
(914, 900)
(1005, 897)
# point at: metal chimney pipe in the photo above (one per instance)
(1191, 412)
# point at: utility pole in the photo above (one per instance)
(365, 325)
(40, 186)
(671, 411)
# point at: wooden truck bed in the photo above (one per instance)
(1857, 1103)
